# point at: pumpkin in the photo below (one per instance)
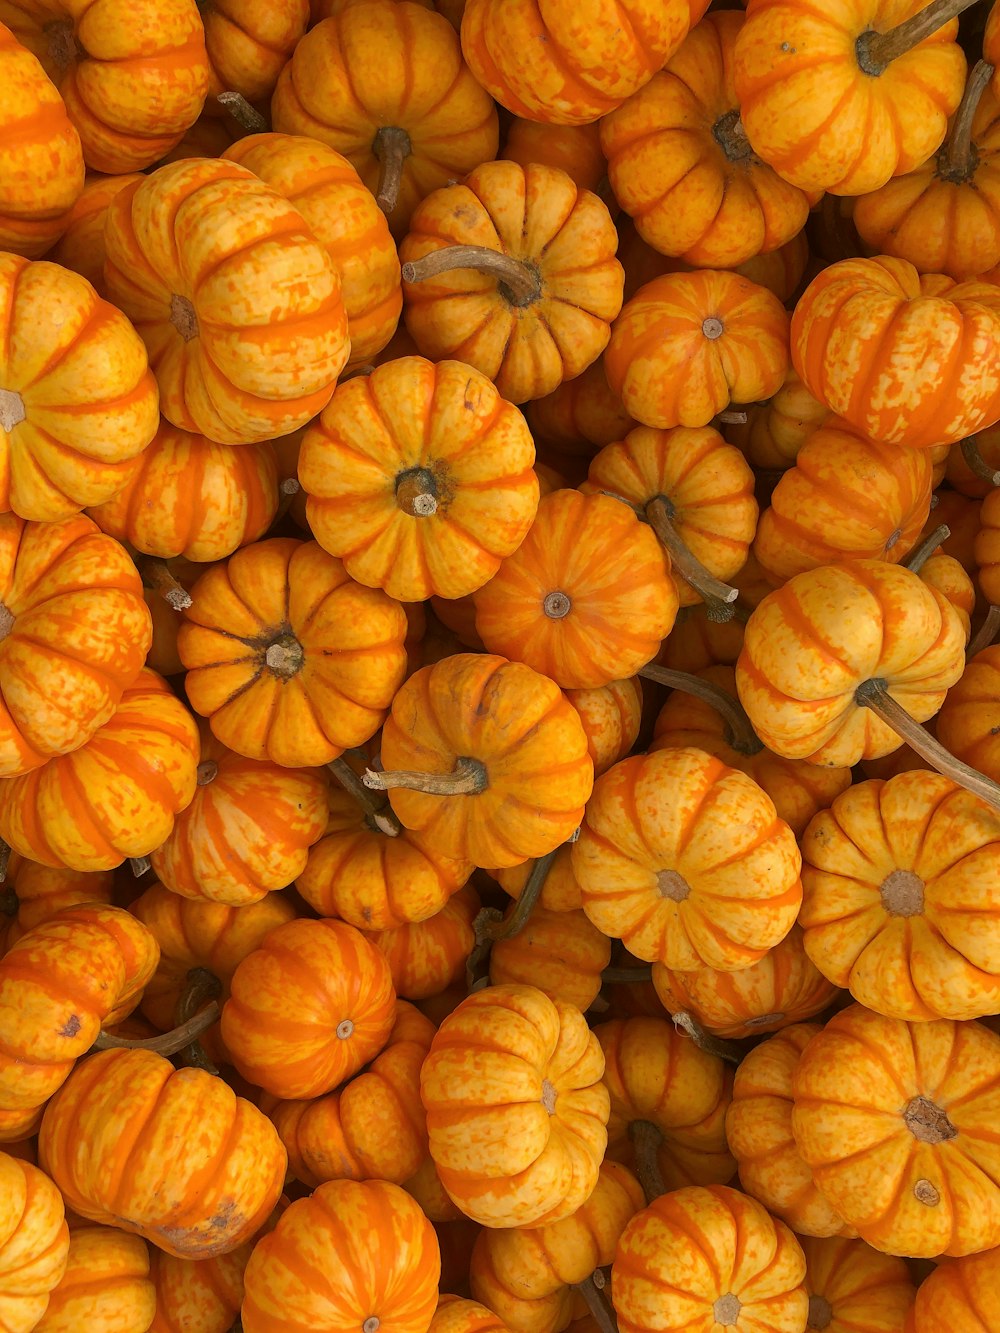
(854, 334)
(513, 271)
(486, 758)
(895, 877)
(969, 721)
(854, 1289)
(973, 463)
(426, 1188)
(209, 136)
(34, 1243)
(611, 716)
(784, 987)
(987, 547)
(820, 93)
(343, 216)
(419, 477)
(566, 66)
(290, 659)
(248, 44)
(372, 1128)
(587, 597)
(560, 953)
(308, 1008)
(759, 1131)
(681, 165)
(686, 862)
(957, 1295)
(205, 1167)
(114, 797)
(32, 894)
(190, 496)
(775, 431)
(59, 984)
(237, 301)
(708, 1253)
(521, 1146)
(332, 1235)
(64, 441)
(668, 1104)
(426, 957)
(896, 1121)
(696, 641)
(197, 1295)
(106, 1286)
(560, 891)
(81, 244)
(688, 344)
(581, 415)
(575, 149)
(41, 164)
(456, 1315)
(385, 84)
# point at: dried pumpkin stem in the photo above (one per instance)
(518, 282)
(920, 554)
(378, 812)
(732, 416)
(287, 492)
(877, 50)
(717, 596)
(391, 146)
(12, 409)
(730, 135)
(704, 1040)
(976, 463)
(156, 576)
(139, 865)
(246, 116)
(168, 1043)
(597, 1301)
(201, 987)
(626, 976)
(986, 633)
(646, 1140)
(518, 917)
(875, 695)
(467, 778)
(959, 158)
(742, 736)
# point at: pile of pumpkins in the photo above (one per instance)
(499, 701)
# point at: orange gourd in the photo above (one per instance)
(106, 1286)
(197, 1295)
(987, 547)
(696, 641)
(611, 716)
(958, 1295)
(34, 1243)
(81, 245)
(32, 894)
(775, 431)
(419, 477)
(560, 890)
(248, 44)
(426, 957)
(581, 415)
(456, 1315)
(560, 953)
(513, 271)
(854, 1289)
(575, 149)
(969, 721)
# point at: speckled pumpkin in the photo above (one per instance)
(34, 1243)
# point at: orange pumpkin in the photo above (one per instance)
(420, 478)
(290, 659)
(386, 86)
(586, 598)
(560, 890)
(456, 1315)
(426, 957)
(854, 1289)
(521, 1145)
(248, 44)
(897, 1123)
(114, 797)
(581, 415)
(513, 271)
(688, 344)
(41, 161)
(32, 894)
(333, 1234)
(66, 442)
(959, 1295)
(560, 953)
(575, 149)
(34, 1243)
(106, 1285)
(987, 547)
(197, 1295)
(775, 431)
(237, 301)
(133, 76)
(686, 862)
(81, 245)
(696, 641)
(611, 716)
(204, 1167)
(969, 721)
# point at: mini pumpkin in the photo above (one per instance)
(248, 44)
(106, 1287)
(210, 1290)
(560, 953)
(575, 149)
(611, 716)
(581, 416)
(427, 957)
(969, 721)
(775, 431)
(32, 893)
(855, 1289)
(34, 1242)
(81, 245)
(957, 1295)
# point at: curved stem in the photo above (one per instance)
(517, 918)
(626, 976)
(705, 1041)
(156, 576)
(717, 596)
(597, 1303)
(467, 778)
(243, 113)
(873, 694)
(986, 633)
(139, 865)
(877, 50)
(920, 554)
(287, 492)
(168, 1043)
(742, 736)
(522, 283)
(200, 987)
(958, 159)
(646, 1139)
(732, 416)
(378, 812)
(391, 146)
(976, 463)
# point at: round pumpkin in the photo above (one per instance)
(34, 1243)
(562, 954)
(575, 149)
(581, 415)
(855, 1289)
(969, 720)
(427, 957)
(775, 431)
(32, 893)
(987, 547)
(248, 44)
(611, 716)
(958, 1295)
(81, 245)
(197, 1295)
(106, 1287)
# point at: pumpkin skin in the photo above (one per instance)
(814, 112)
(759, 1131)
(581, 416)
(34, 1243)
(587, 597)
(419, 477)
(853, 334)
(41, 166)
(114, 797)
(334, 1234)
(523, 1146)
(565, 238)
(569, 67)
(456, 1315)
(106, 1286)
(680, 169)
(611, 716)
(248, 44)
(700, 1257)
(970, 716)
(32, 894)
(560, 953)
(238, 303)
(344, 217)
(63, 446)
(655, 1074)
(855, 1288)
(812, 642)
(526, 735)
(686, 862)
(775, 431)
(859, 1087)
(205, 1167)
(81, 245)
(688, 344)
(289, 659)
(311, 1005)
(957, 1295)
(389, 67)
(575, 149)
(426, 957)
(560, 891)
(197, 1295)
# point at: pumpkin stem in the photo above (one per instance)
(959, 158)
(285, 656)
(517, 918)
(920, 554)
(717, 596)
(732, 416)
(12, 409)
(156, 576)
(731, 137)
(467, 778)
(246, 116)
(200, 988)
(646, 1139)
(986, 633)
(417, 492)
(518, 283)
(168, 1043)
(875, 695)
(593, 1291)
(183, 316)
(626, 976)
(378, 814)
(689, 1025)
(976, 463)
(5, 850)
(820, 1313)
(391, 146)
(741, 735)
(287, 492)
(139, 865)
(877, 50)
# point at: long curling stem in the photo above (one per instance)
(976, 463)
(920, 554)
(704, 1040)
(378, 812)
(597, 1303)
(517, 918)
(467, 778)
(741, 736)
(646, 1140)
(168, 1043)
(717, 596)
(986, 633)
